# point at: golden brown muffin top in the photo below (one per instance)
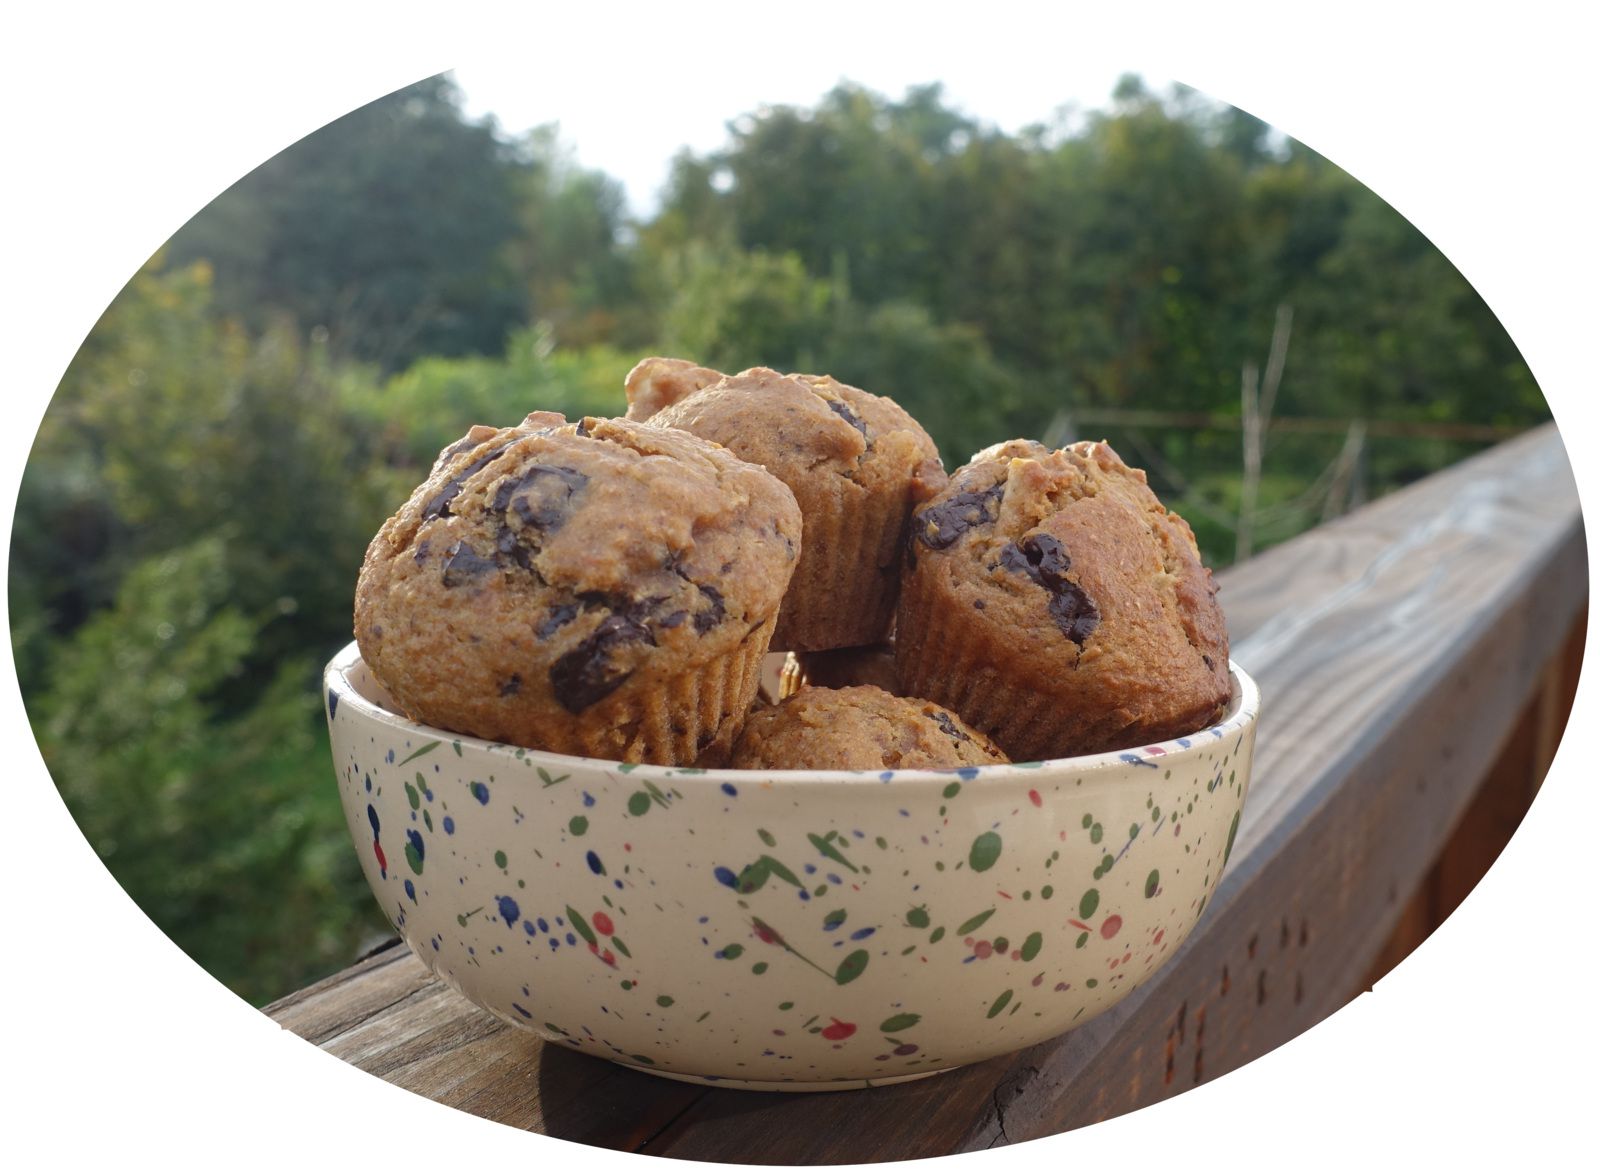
(859, 728)
(1080, 582)
(800, 427)
(539, 568)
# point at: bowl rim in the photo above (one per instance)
(1243, 708)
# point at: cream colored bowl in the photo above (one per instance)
(793, 929)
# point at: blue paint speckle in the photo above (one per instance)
(415, 838)
(1136, 760)
(723, 874)
(509, 910)
(810, 868)
(729, 790)
(544, 927)
(887, 776)
(864, 932)
(411, 891)
(834, 879)
(832, 924)
(480, 791)
(594, 862)
(521, 1011)
(369, 783)
(450, 825)
(372, 819)
(588, 800)
(572, 939)
(555, 943)
(967, 772)
(528, 929)
(333, 703)
(805, 895)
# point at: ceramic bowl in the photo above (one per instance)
(788, 929)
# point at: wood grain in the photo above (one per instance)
(1396, 649)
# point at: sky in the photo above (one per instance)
(636, 144)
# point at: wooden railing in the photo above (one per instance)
(1416, 660)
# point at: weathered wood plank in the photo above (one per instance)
(1395, 649)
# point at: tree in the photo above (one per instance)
(387, 229)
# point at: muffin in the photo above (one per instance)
(859, 728)
(837, 668)
(1056, 605)
(595, 588)
(857, 464)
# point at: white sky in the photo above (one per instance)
(635, 141)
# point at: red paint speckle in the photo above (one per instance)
(602, 922)
(1015, 955)
(1079, 925)
(1038, 801)
(1003, 894)
(377, 851)
(838, 1030)
(983, 950)
(1109, 928)
(1160, 934)
(626, 847)
(1038, 979)
(1062, 986)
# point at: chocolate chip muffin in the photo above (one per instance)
(595, 588)
(838, 668)
(860, 728)
(857, 464)
(1054, 603)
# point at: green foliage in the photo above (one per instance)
(210, 822)
(386, 229)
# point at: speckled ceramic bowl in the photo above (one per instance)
(785, 930)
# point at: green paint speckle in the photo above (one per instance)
(638, 803)
(975, 921)
(622, 948)
(413, 797)
(1031, 945)
(759, 969)
(1088, 903)
(1095, 834)
(950, 790)
(1152, 883)
(917, 917)
(1000, 1003)
(1083, 939)
(767, 838)
(1092, 983)
(1047, 892)
(1233, 830)
(985, 852)
(578, 825)
(500, 858)
(732, 951)
(899, 1023)
(786, 1005)
(851, 968)
(1087, 821)
(664, 1001)
(938, 933)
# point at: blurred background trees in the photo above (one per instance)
(273, 383)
